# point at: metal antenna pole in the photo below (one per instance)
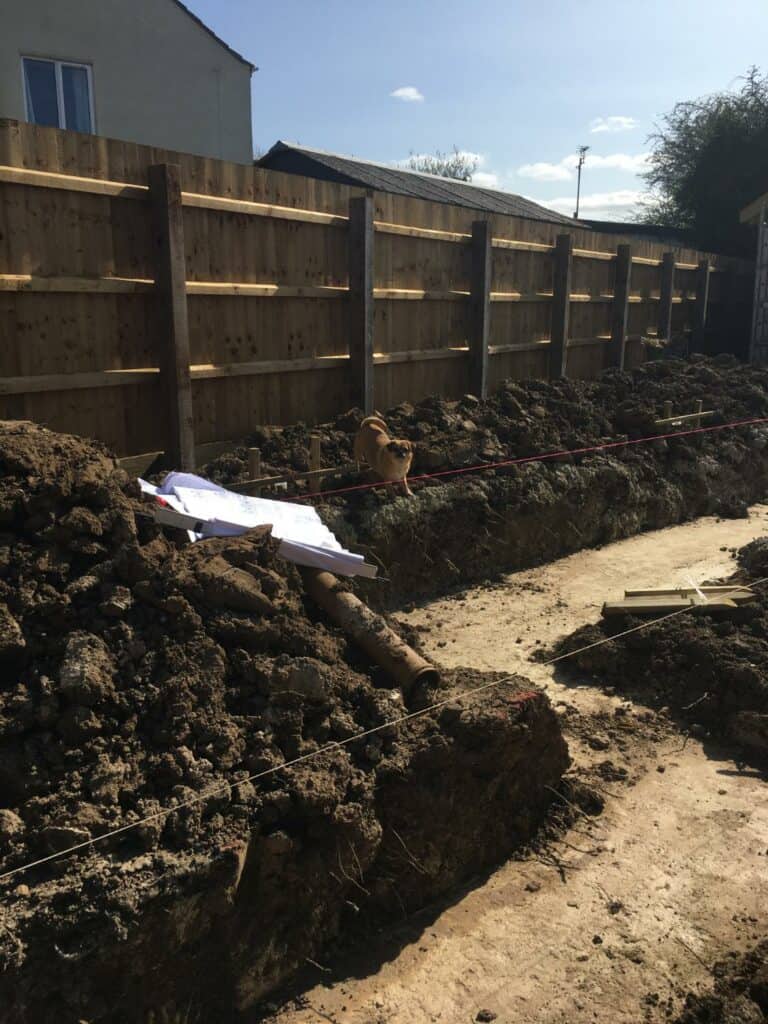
(582, 158)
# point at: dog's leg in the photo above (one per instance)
(406, 489)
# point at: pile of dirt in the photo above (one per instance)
(140, 675)
(740, 993)
(707, 668)
(523, 418)
(461, 529)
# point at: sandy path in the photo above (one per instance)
(672, 874)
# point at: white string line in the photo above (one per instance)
(228, 787)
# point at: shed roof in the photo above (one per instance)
(286, 156)
(651, 232)
(210, 32)
(755, 211)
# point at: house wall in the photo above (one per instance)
(158, 77)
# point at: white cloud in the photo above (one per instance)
(613, 124)
(486, 179)
(634, 164)
(545, 172)
(408, 94)
(565, 169)
(616, 205)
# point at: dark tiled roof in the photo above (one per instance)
(284, 156)
(210, 32)
(651, 232)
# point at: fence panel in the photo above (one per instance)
(265, 269)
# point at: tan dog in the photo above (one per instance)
(390, 459)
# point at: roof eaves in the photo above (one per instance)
(213, 35)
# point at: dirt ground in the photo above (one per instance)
(633, 908)
(142, 685)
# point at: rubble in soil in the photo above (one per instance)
(707, 669)
(740, 993)
(140, 675)
(462, 529)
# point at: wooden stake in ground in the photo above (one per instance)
(254, 467)
(315, 481)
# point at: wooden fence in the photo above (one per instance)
(161, 301)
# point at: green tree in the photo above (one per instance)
(709, 159)
(458, 164)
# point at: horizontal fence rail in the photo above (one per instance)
(180, 308)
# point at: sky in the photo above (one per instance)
(520, 83)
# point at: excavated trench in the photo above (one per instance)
(139, 675)
(468, 528)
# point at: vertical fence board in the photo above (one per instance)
(620, 310)
(561, 293)
(361, 301)
(480, 307)
(666, 292)
(702, 301)
(165, 191)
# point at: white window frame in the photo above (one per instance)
(58, 64)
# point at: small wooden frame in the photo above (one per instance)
(654, 602)
(311, 476)
(694, 418)
(138, 465)
(740, 594)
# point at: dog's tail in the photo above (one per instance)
(373, 421)
(377, 424)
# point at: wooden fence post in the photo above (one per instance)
(361, 301)
(700, 307)
(666, 291)
(480, 307)
(620, 310)
(758, 328)
(561, 303)
(165, 193)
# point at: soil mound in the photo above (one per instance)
(523, 418)
(138, 676)
(461, 529)
(708, 668)
(740, 993)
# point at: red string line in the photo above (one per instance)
(480, 467)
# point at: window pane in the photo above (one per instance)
(40, 82)
(77, 104)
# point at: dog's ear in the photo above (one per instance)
(408, 445)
